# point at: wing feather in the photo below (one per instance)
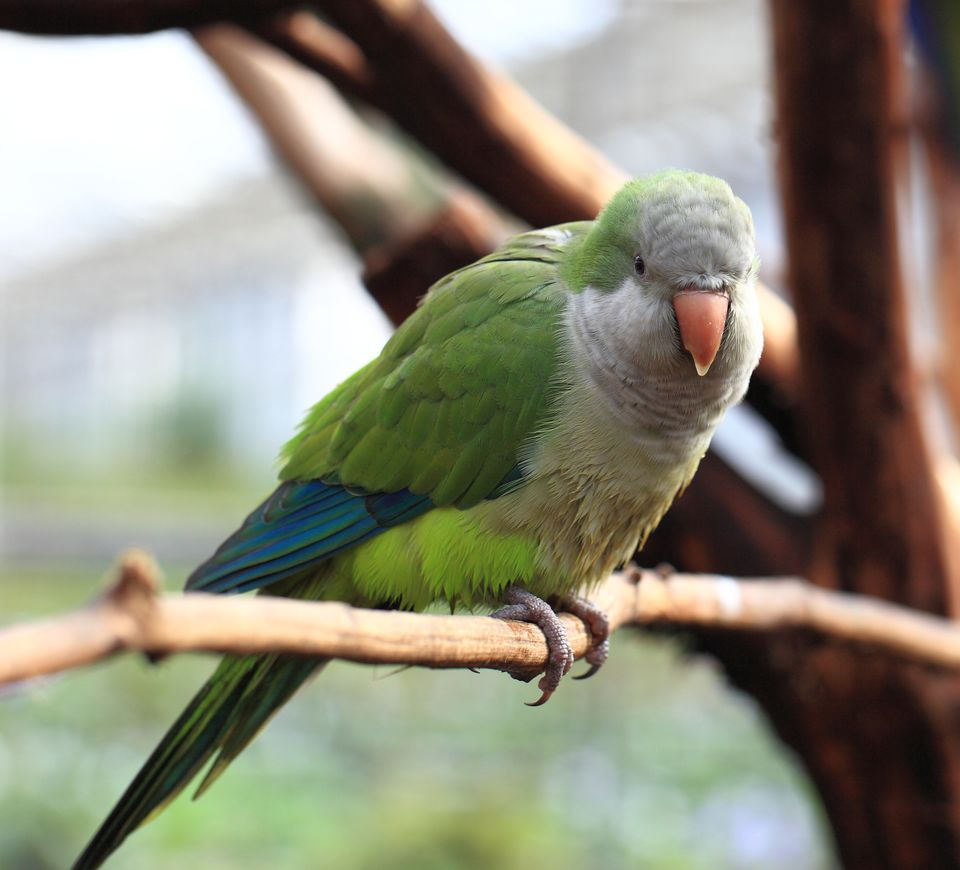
(440, 418)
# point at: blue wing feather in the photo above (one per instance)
(296, 528)
(305, 523)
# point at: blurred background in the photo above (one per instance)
(172, 301)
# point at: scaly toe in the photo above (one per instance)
(597, 624)
(595, 658)
(526, 607)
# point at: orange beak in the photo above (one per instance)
(701, 315)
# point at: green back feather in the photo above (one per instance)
(463, 383)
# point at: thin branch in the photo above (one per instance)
(132, 616)
(104, 17)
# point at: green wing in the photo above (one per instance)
(447, 406)
(439, 418)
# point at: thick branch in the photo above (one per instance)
(881, 528)
(399, 58)
(104, 17)
(410, 226)
(327, 51)
(476, 120)
(132, 616)
(361, 180)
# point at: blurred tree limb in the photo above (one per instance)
(107, 17)
(392, 55)
(399, 58)
(408, 224)
(131, 615)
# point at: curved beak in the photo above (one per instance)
(701, 315)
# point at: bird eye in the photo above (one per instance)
(639, 265)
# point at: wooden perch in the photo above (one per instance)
(131, 615)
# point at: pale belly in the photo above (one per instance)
(594, 491)
(588, 522)
(594, 487)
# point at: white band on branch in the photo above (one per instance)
(133, 616)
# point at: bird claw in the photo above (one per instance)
(527, 607)
(545, 693)
(597, 624)
(597, 655)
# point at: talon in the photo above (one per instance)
(526, 607)
(547, 686)
(595, 658)
(599, 654)
(589, 673)
(599, 627)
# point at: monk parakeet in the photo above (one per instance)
(518, 437)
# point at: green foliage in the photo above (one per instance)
(190, 432)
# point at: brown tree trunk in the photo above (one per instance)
(878, 737)
(944, 171)
(838, 71)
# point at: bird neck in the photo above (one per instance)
(656, 400)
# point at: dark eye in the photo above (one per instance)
(639, 265)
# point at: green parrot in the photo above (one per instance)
(517, 438)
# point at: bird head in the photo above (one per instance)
(671, 266)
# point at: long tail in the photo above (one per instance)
(226, 714)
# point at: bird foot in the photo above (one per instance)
(527, 607)
(597, 624)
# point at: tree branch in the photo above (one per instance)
(133, 616)
(400, 59)
(104, 17)
(880, 530)
(409, 225)
(477, 121)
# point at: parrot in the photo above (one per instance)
(518, 438)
